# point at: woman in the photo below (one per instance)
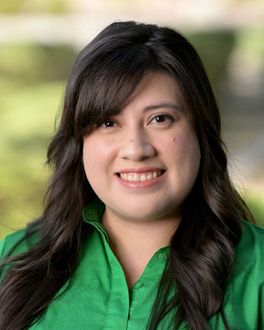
(142, 228)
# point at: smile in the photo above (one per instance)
(140, 177)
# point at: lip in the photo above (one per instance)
(141, 184)
(140, 170)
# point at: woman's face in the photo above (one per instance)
(143, 162)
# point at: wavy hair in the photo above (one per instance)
(201, 258)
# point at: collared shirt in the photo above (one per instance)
(98, 296)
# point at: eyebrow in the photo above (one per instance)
(163, 105)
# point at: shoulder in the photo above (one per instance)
(245, 288)
(250, 250)
(14, 241)
(252, 237)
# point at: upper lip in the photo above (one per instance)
(141, 170)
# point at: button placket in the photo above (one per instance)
(139, 284)
(119, 294)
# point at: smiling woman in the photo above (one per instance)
(142, 228)
(147, 156)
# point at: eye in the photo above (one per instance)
(162, 118)
(108, 124)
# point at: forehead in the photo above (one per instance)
(98, 102)
(156, 88)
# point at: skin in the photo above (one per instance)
(154, 132)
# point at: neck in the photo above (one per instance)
(135, 242)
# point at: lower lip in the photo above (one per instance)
(141, 184)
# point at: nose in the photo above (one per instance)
(137, 147)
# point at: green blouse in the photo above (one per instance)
(98, 296)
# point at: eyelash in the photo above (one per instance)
(162, 115)
(107, 121)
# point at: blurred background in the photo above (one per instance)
(39, 40)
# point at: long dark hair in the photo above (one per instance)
(201, 258)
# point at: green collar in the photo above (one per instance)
(94, 211)
(92, 214)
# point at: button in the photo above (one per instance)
(163, 256)
(138, 285)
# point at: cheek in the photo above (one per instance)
(182, 148)
(95, 150)
(173, 145)
(97, 154)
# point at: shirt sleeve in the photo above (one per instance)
(9, 241)
(2, 244)
(261, 306)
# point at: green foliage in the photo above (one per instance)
(250, 41)
(26, 125)
(215, 48)
(31, 63)
(256, 205)
(32, 78)
(34, 6)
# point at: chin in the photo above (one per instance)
(144, 213)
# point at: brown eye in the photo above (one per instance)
(109, 124)
(162, 118)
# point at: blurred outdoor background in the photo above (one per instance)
(39, 40)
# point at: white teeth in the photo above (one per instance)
(136, 177)
(130, 177)
(143, 177)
